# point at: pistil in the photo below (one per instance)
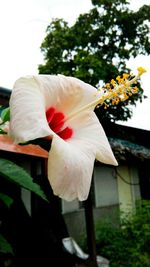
(115, 91)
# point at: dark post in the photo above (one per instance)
(91, 242)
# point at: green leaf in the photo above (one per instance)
(5, 115)
(18, 175)
(2, 131)
(6, 199)
(5, 247)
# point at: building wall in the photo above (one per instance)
(115, 189)
(105, 186)
(76, 220)
(128, 187)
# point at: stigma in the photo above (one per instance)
(56, 121)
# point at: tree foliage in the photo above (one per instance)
(97, 47)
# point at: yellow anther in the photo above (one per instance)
(135, 90)
(117, 100)
(113, 82)
(141, 70)
(125, 75)
(118, 78)
(107, 85)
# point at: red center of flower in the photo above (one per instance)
(55, 120)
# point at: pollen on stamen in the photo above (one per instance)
(121, 89)
(111, 94)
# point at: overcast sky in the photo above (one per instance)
(22, 30)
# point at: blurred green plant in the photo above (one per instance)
(4, 119)
(129, 244)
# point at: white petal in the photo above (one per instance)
(65, 93)
(70, 169)
(88, 130)
(32, 95)
(27, 106)
(70, 163)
